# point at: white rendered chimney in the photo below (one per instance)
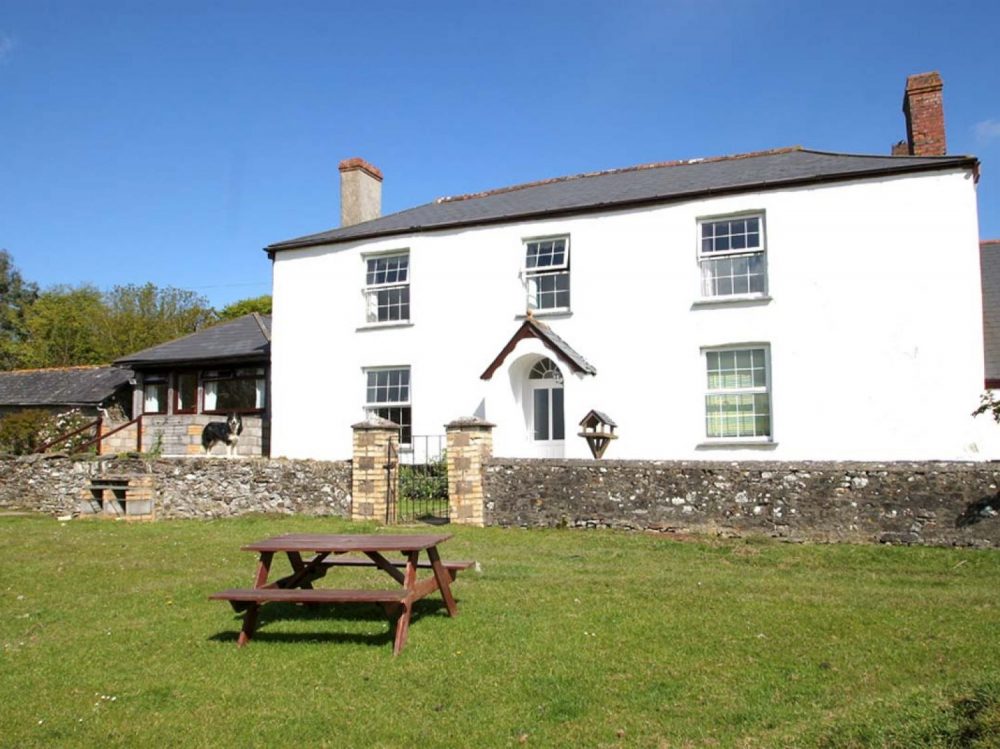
(360, 191)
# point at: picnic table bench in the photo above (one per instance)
(297, 586)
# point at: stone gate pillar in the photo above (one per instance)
(470, 445)
(374, 468)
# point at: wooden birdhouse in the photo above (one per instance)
(598, 430)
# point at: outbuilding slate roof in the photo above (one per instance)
(632, 186)
(989, 260)
(243, 339)
(66, 386)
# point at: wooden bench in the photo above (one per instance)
(250, 599)
(308, 595)
(344, 561)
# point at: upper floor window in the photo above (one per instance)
(234, 389)
(737, 396)
(546, 273)
(387, 288)
(388, 395)
(731, 255)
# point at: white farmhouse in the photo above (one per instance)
(784, 305)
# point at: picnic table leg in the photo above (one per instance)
(298, 569)
(259, 581)
(402, 628)
(403, 623)
(443, 580)
(263, 569)
(249, 624)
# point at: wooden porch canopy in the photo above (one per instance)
(532, 328)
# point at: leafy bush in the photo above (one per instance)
(428, 481)
(24, 432)
(64, 423)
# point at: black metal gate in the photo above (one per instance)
(423, 481)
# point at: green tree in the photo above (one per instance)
(138, 317)
(64, 327)
(988, 405)
(81, 325)
(260, 304)
(16, 298)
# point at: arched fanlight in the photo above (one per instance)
(545, 369)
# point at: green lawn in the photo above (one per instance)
(564, 638)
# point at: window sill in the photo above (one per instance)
(383, 326)
(547, 313)
(732, 301)
(730, 443)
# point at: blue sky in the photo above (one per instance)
(170, 142)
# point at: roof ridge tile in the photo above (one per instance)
(618, 170)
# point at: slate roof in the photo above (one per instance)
(246, 338)
(989, 260)
(67, 386)
(633, 186)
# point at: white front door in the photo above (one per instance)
(547, 422)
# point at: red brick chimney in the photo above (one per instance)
(924, 115)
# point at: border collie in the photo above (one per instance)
(222, 432)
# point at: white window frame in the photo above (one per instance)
(372, 407)
(533, 275)
(707, 259)
(372, 290)
(752, 390)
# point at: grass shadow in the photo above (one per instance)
(349, 611)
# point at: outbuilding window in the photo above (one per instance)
(154, 394)
(234, 390)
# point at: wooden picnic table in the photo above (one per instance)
(329, 551)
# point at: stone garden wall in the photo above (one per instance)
(184, 488)
(910, 503)
(918, 503)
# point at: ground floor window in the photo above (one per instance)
(154, 394)
(234, 389)
(186, 393)
(387, 395)
(737, 397)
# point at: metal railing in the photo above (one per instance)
(423, 480)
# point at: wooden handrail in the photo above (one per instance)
(61, 437)
(117, 429)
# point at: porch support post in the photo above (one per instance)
(470, 446)
(374, 468)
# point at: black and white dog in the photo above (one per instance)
(225, 432)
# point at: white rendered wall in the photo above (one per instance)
(874, 327)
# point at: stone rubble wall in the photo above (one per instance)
(183, 488)
(905, 503)
(941, 504)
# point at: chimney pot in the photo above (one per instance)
(360, 191)
(924, 111)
